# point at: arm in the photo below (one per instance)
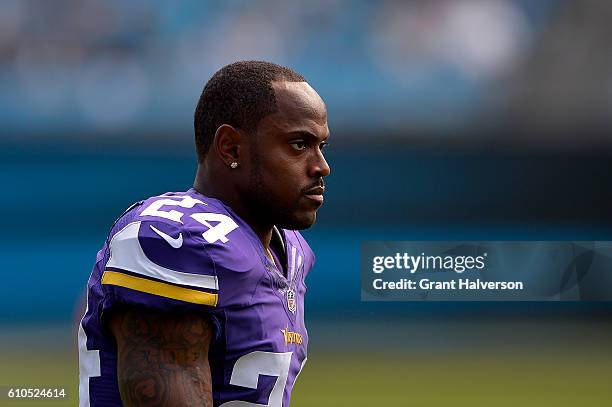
(162, 360)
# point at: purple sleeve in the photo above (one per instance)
(159, 265)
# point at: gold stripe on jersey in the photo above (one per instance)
(158, 288)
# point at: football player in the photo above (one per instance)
(197, 297)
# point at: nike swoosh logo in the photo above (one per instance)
(174, 242)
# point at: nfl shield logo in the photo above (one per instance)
(291, 304)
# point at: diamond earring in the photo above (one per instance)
(234, 165)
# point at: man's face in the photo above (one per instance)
(287, 163)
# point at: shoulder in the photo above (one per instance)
(172, 244)
(180, 231)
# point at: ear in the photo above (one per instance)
(228, 143)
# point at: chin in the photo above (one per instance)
(299, 221)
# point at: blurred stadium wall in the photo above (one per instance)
(466, 119)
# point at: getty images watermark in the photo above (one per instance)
(454, 264)
(396, 271)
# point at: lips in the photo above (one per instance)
(318, 190)
(315, 194)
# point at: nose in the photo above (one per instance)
(319, 167)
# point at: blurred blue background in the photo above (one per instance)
(92, 72)
(450, 119)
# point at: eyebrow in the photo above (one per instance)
(307, 134)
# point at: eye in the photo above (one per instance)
(324, 145)
(298, 145)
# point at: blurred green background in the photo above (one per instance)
(501, 361)
(450, 120)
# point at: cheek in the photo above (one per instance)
(284, 176)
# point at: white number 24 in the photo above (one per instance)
(214, 233)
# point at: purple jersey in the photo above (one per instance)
(187, 252)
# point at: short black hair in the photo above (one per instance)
(239, 94)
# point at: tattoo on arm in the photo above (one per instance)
(162, 360)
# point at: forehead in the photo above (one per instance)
(299, 108)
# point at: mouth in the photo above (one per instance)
(315, 194)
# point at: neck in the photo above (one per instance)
(205, 185)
